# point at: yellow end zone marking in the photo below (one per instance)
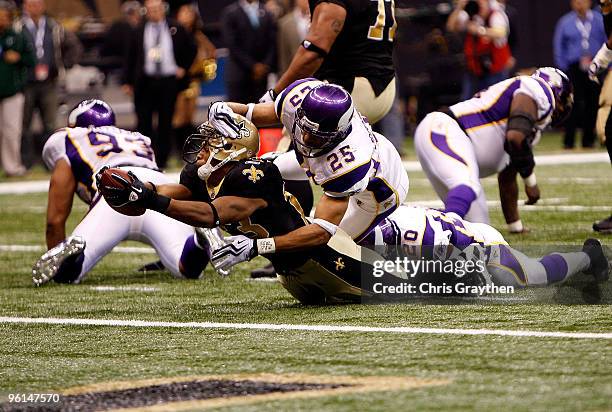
(358, 385)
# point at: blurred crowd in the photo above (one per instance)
(161, 56)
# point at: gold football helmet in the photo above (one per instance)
(222, 149)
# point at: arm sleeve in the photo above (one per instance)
(347, 184)
(55, 149)
(540, 93)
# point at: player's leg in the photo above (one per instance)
(447, 157)
(508, 266)
(370, 105)
(180, 251)
(101, 229)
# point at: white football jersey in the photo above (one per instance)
(418, 227)
(348, 168)
(88, 149)
(485, 116)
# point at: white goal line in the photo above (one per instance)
(308, 328)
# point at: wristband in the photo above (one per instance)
(249, 113)
(216, 220)
(515, 226)
(308, 45)
(530, 181)
(266, 246)
(158, 203)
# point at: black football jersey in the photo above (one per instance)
(257, 179)
(364, 47)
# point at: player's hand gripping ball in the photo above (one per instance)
(122, 190)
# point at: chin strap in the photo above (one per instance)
(208, 169)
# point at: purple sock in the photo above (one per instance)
(556, 268)
(459, 200)
(193, 259)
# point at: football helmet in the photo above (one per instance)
(562, 90)
(91, 112)
(326, 114)
(222, 149)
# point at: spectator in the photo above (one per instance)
(486, 48)
(16, 55)
(578, 36)
(115, 46)
(249, 32)
(292, 29)
(56, 49)
(161, 53)
(184, 111)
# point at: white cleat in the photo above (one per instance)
(47, 266)
(212, 239)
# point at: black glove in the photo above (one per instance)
(133, 192)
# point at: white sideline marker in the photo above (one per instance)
(308, 328)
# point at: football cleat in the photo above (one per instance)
(209, 240)
(267, 271)
(603, 226)
(599, 268)
(48, 265)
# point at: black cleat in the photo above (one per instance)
(152, 267)
(599, 268)
(267, 271)
(603, 226)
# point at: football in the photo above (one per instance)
(110, 184)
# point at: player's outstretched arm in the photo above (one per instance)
(225, 209)
(61, 194)
(172, 190)
(508, 194)
(262, 114)
(327, 23)
(329, 213)
(519, 135)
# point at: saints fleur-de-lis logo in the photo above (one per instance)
(253, 174)
(339, 264)
(243, 130)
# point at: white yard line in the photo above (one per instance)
(40, 248)
(38, 186)
(124, 288)
(308, 328)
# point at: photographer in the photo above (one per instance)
(486, 49)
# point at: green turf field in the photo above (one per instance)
(484, 372)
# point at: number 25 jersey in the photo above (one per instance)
(365, 165)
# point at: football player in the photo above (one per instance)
(360, 171)
(432, 233)
(223, 184)
(598, 66)
(74, 154)
(350, 43)
(492, 133)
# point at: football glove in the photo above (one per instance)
(133, 193)
(268, 97)
(237, 249)
(600, 63)
(220, 117)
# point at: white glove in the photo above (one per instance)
(237, 249)
(220, 117)
(600, 63)
(268, 96)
